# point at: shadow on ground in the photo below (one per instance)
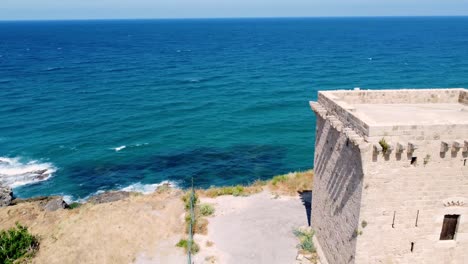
(306, 198)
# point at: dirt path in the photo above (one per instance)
(254, 229)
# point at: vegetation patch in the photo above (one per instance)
(289, 184)
(279, 179)
(74, 205)
(364, 223)
(292, 183)
(238, 190)
(206, 209)
(17, 244)
(384, 145)
(186, 199)
(209, 243)
(184, 243)
(305, 240)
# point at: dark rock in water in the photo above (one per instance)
(42, 176)
(39, 171)
(108, 197)
(55, 203)
(6, 196)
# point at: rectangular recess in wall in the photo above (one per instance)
(449, 227)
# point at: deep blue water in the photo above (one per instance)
(224, 101)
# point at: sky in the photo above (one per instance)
(115, 9)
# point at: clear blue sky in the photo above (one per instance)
(103, 9)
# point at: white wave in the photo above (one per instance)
(68, 199)
(136, 187)
(54, 68)
(146, 188)
(14, 172)
(120, 148)
(72, 199)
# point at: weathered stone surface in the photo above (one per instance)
(372, 206)
(108, 197)
(6, 196)
(55, 204)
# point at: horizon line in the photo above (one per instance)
(221, 18)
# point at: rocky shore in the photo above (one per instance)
(53, 203)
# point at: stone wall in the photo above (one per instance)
(337, 193)
(414, 198)
(343, 112)
(400, 96)
(339, 105)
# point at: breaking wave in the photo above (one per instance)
(136, 187)
(117, 149)
(147, 188)
(14, 172)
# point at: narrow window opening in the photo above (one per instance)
(393, 222)
(449, 227)
(413, 160)
(347, 142)
(412, 246)
(464, 162)
(417, 216)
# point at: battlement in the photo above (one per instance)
(409, 114)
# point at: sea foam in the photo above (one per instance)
(117, 149)
(147, 188)
(14, 172)
(135, 187)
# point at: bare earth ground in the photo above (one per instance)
(254, 229)
(142, 229)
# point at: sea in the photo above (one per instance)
(90, 106)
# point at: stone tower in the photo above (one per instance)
(391, 176)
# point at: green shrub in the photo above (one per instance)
(364, 223)
(186, 199)
(74, 205)
(384, 145)
(206, 209)
(17, 243)
(305, 238)
(183, 243)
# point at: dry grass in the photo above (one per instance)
(238, 190)
(130, 227)
(292, 183)
(287, 184)
(209, 243)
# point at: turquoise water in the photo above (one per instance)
(103, 105)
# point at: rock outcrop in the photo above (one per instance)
(108, 197)
(48, 203)
(6, 196)
(55, 203)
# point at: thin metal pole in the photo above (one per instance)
(190, 226)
